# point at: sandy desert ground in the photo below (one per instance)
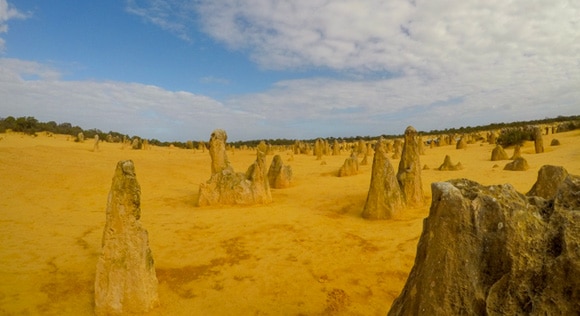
(307, 253)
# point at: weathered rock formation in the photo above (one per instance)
(318, 148)
(452, 140)
(518, 164)
(96, 143)
(409, 173)
(350, 167)
(279, 175)
(517, 152)
(361, 147)
(498, 153)
(421, 145)
(549, 179)
(389, 146)
(397, 148)
(555, 142)
(492, 138)
(365, 160)
(448, 165)
(538, 141)
(335, 148)
(461, 143)
(226, 187)
(81, 137)
(136, 144)
(489, 250)
(385, 199)
(125, 281)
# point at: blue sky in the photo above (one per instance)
(176, 70)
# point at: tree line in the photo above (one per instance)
(30, 125)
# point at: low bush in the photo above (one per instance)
(515, 136)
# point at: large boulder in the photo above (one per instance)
(489, 250)
(498, 153)
(125, 281)
(409, 173)
(385, 199)
(549, 180)
(518, 164)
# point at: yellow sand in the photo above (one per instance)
(307, 253)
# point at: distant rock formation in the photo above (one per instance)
(555, 142)
(421, 146)
(492, 138)
(136, 144)
(318, 148)
(461, 143)
(538, 141)
(226, 187)
(350, 167)
(365, 160)
(125, 281)
(81, 137)
(549, 180)
(385, 199)
(397, 148)
(335, 148)
(361, 147)
(96, 143)
(489, 250)
(518, 164)
(447, 165)
(498, 153)
(409, 173)
(517, 152)
(453, 140)
(279, 175)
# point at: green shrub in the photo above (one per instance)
(515, 136)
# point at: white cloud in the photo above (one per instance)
(131, 108)
(7, 13)
(172, 16)
(396, 36)
(431, 64)
(450, 61)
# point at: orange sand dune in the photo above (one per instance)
(307, 253)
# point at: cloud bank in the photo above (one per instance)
(447, 63)
(33, 89)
